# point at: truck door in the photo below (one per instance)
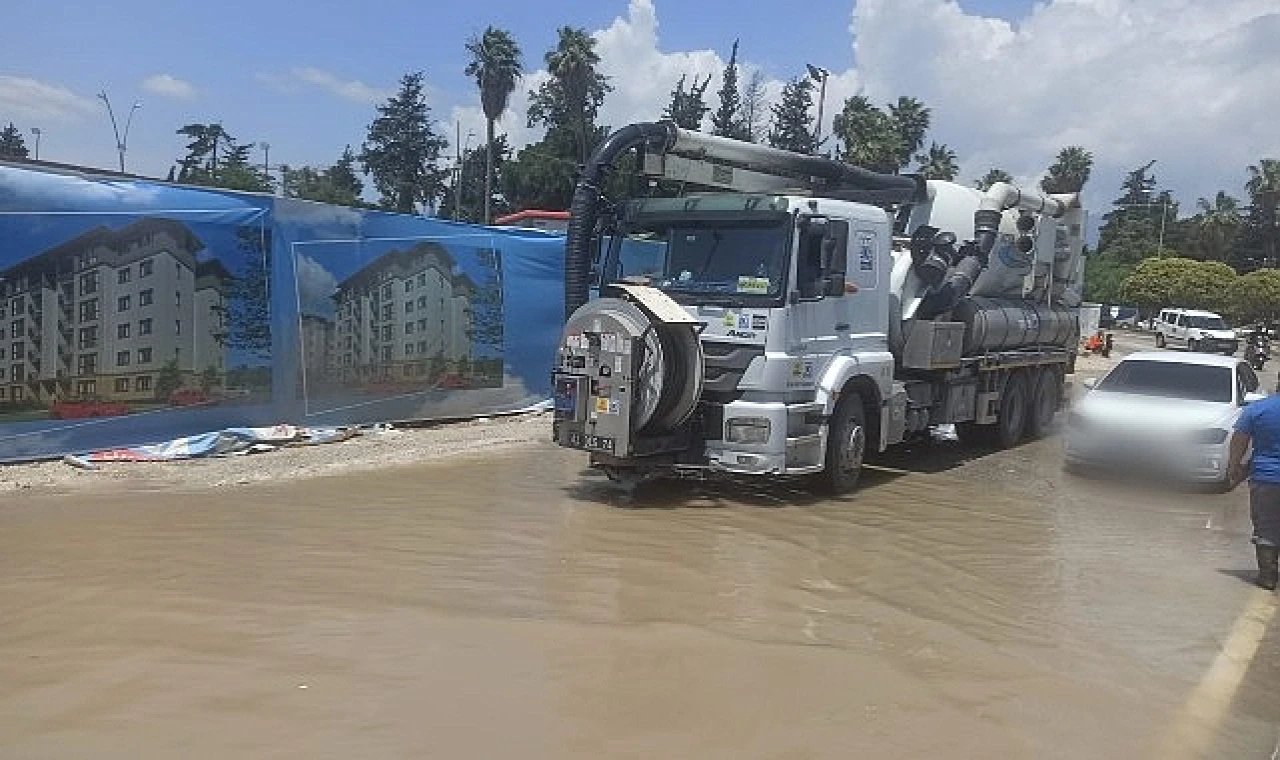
(818, 316)
(1180, 328)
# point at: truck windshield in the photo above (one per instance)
(737, 258)
(1206, 323)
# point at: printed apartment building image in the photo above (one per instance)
(124, 317)
(406, 321)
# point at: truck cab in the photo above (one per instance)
(790, 297)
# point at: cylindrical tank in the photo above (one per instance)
(997, 324)
(1006, 271)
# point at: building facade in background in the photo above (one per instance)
(101, 315)
(405, 316)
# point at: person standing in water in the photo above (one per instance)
(1259, 424)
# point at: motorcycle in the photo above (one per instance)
(1257, 349)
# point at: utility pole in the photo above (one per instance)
(35, 131)
(819, 75)
(122, 142)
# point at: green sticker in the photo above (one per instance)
(753, 284)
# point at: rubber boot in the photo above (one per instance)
(1268, 571)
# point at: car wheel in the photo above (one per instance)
(1044, 403)
(1011, 423)
(846, 447)
(1160, 340)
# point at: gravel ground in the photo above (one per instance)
(370, 451)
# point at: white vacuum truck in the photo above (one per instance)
(804, 311)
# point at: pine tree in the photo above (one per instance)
(687, 108)
(754, 113)
(726, 121)
(11, 143)
(402, 149)
(792, 125)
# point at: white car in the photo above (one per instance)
(1196, 330)
(1163, 412)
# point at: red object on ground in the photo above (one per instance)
(188, 397)
(79, 410)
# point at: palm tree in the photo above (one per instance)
(870, 136)
(911, 120)
(1219, 221)
(992, 177)
(938, 163)
(574, 62)
(1264, 194)
(1069, 172)
(496, 66)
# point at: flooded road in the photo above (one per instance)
(514, 607)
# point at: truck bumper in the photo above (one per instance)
(769, 438)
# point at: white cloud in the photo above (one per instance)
(316, 285)
(168, 86)
(306, 76)
(1189, 83)
(33, 100)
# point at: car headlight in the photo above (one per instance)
(1209, 435)
(748, 429)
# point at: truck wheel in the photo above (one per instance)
(1044, 403)
(1012, 422)
(1160, 340)
(1192, 346)
(846, 447)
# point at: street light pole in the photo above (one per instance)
(819, 75)
(122, 142)
(36, 132)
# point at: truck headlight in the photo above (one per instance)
(747, 429)
(1209, 435)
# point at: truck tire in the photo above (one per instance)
(846, 447)
(1160, 340)
(1044, 403)
(1193, 346)
(1011, 424)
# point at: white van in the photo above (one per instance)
(1201, 331)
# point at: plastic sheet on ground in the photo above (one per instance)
(226, 442)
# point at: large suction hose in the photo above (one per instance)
(1001, 196)
(838, 180)
(585, 209)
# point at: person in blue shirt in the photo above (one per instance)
(1259, 425)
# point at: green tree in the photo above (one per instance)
(1217, 225)
(1256, 296)
(570, 100)
(938, 163)
(910, 119)
(1069, 171)
(869, 136)
(753, 114)
(543, 174)
(465, 194)
(1261, 238)
(496, 65)
(1103, 278)
(168, 380)
(992, 177)
(215, 159)
(1158, 282)
(727, 120)
(11, 143)
(1132, 229)
(402, 148)
(338, 184)
(792, 125)
(688, 107)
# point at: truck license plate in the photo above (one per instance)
(591, 442)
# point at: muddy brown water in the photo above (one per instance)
(514, 606)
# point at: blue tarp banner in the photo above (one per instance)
(134, 312)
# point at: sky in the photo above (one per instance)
(1192, 84)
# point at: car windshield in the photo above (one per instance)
(742, 258)
(1195, 382)
(1207, 323)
